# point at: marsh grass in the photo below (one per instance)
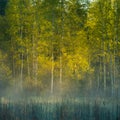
(54, 108)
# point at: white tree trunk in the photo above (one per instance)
(52, 74)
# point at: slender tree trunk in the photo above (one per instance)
(52, 53)
(33, 57)
(111, 75)
(103, 45)
(36, 63)
(99, 74)
(60, 71)
(28, 66)
(52, 74)
(116, 45)
(62, 37)
(104, 69)
(13, 67)
(21, 57)
(21, 71)
(36, 69)
(13, 60)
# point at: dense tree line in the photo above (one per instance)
(61, 46)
